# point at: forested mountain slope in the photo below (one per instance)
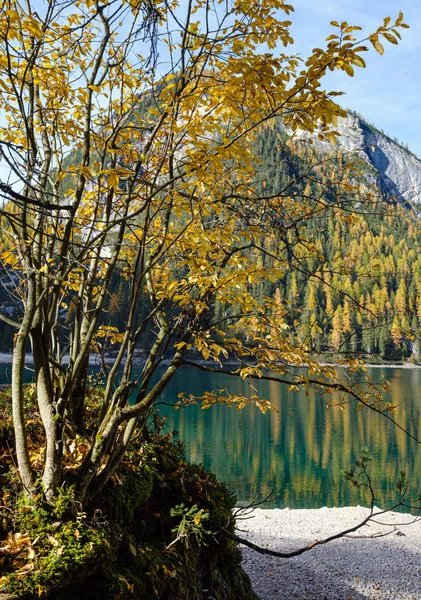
(358, 285)
(357, 288)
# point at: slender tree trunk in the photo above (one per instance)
(104, 439)
(18, 364)
(21, 442)
(76, 408)
(51, 415)
(114, 459)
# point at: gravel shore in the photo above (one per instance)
(359, 568)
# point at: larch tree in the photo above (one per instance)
(128, 132)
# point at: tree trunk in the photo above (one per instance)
(51, 415)
(76, 409)
(22, 455)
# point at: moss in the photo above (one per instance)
(122, 499)
(129, 552)
(55, 551)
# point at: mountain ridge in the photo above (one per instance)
(395, 169)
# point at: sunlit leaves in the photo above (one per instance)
(374, 39)
(9, 258)
(209, 399)
(150, 177)
(388, 32)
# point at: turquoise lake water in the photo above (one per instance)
(300, 451)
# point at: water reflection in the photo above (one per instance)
(301, 451)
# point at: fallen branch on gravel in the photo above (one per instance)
(358, 477)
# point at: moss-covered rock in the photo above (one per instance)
(123, 499)
(132, 544)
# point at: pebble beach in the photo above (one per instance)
(380, 561)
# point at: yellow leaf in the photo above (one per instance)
(359, 62)
(4, 86)
(113, 180)
(9, 258)
(34, 29)
(390, 38)
(377, 45)
(348, 70)
(86, 172)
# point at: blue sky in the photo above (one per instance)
(388, 91)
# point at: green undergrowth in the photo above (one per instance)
(157, 531)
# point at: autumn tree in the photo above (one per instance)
(128, 135)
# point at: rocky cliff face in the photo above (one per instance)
(395, 169)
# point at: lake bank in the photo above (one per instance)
(362, 567)
(94, 359)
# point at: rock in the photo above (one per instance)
(394, 168)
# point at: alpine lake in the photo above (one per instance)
(299, 452)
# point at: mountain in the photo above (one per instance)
(392, 167)
(360, 291)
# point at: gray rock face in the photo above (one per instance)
(396, 170)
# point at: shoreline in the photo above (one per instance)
(381, 365)
(6, 359)
(380, 561)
